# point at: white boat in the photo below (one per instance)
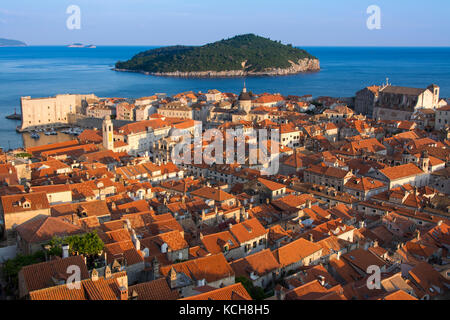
(34, 135)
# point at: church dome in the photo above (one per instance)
(244, 96)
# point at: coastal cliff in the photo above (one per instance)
(302, 66)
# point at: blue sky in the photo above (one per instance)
(164, 22)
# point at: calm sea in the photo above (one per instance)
(46, 71)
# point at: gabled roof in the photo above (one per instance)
(363, 259)
(212, 193)
(364, 184)
(328, 171)
(248, 230)
(173, 239)
(403, 90)
(101, 289)
(15, 203)
(211, 268)
(123, 249)
(260, 264)
(90, 208)
(399, 295)
(402, 171)
(43, 229)
(295, 251)
(229, 293)
(216, 242)
(428, 279)
(315, 291)
(39, 276)
(272, 186)
(154, 290)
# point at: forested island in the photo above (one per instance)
(243, 55)
(11, 43)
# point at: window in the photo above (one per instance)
(255, 244)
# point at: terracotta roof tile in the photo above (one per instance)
(229, 293)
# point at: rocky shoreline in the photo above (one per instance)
(301, 66)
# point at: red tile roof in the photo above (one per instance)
(43, 229)
(230, 293)
(295, 251)
(56, 269)
(248, 230)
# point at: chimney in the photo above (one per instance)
(108, 273)
(155, 266)
(123, 293)
(94, 275)
(338, 255)
(308, 204)
(203, 214)
(137, 243)
(322, 280)
(311, 237)
(172, 278)
(243, 213)
(75, 219)
(280, 293)
(65, 250)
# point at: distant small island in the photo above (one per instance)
(243, 55)
(11, 43)
(80, 45)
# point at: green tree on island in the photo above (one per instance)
(226, 55)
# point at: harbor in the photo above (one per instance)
(43, 137)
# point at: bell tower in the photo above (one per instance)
(108, 135)
(245, 100)
(435, 91)
(424, 161)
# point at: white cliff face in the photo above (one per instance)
(303, 65)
